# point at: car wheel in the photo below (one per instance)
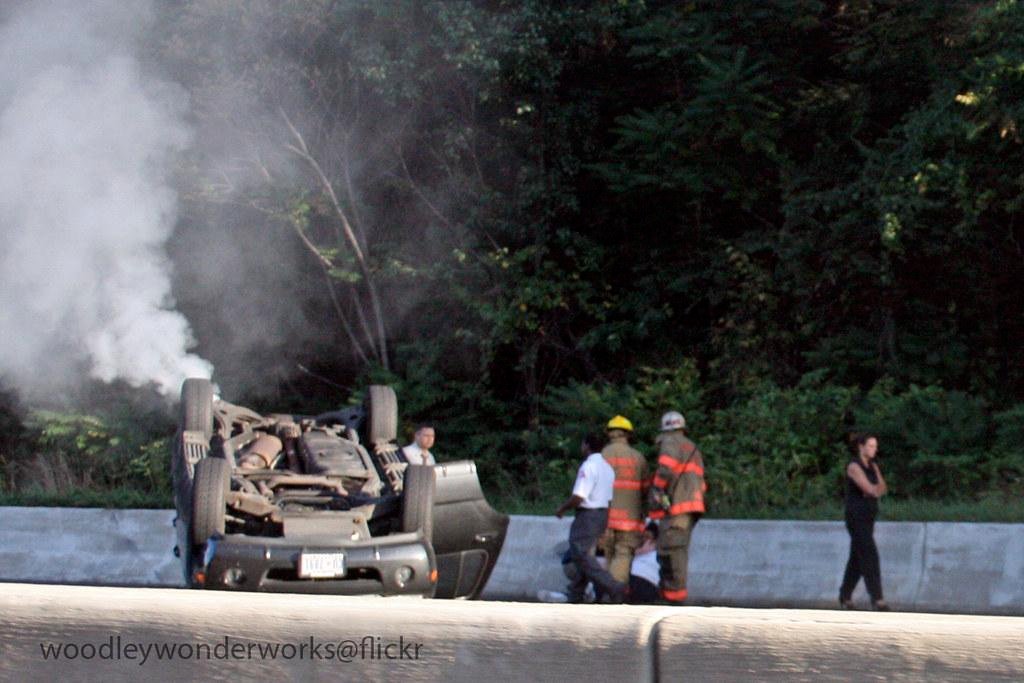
(183, 549)
(197, 406)
(418, 500)
(381, 414)
(211, 485)
(181, 478)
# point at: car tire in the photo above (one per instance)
(209, 490)
(197, 406)
(183, 550)
(381, 414)
(418, 500)
(181, 479)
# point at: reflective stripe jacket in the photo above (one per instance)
(680, 474)
(626, 512)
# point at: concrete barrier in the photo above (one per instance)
(358, 638)
(796, 564)
(88, 545)
(936, 567)
(75, 633)
(792, 645)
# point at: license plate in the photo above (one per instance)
(321, 565)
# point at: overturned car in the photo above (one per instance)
(323, 504)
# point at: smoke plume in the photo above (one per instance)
(86, 207)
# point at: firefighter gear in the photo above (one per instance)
(677, 499)
(626, 511)
(673, 555)
(672, 420)
(619, 422)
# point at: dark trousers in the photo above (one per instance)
(642, 591)
(863, 556)
(587, 528)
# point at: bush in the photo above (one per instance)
(12, 436)
(97, 452)
(781, 448)
(517, 464)
(1006, 463)
(932, 442)
(778, 449)
(570, 411)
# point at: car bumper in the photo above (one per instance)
(377, 566)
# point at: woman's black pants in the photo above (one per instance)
(863, 556)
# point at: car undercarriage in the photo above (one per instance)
(324, 503)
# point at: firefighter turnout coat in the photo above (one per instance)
(626, 511)
(678, 490)
(680, 475)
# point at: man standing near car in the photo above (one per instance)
(677, 499)
(590, 497)
(418, 452)
(626, 512)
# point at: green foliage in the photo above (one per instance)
(569, 412)
(101, 452)
(12, 433)
(933, 442)
(815, 204)
(781, 448)
(1007, 454)
(120, 498)
(584, 189)
(987, 509)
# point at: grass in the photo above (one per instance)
(88, 498)
(990, 509)
(986, 509)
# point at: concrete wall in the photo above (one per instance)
(89, 546)
(936, 567)
(939, 567)
(126, 634)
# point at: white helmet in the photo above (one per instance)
(672, 420)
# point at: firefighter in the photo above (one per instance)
(626, 512)
(677, 500)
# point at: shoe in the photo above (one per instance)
(572, 598)
(616, 594)
(552, 596)
(880, 606)
(846, 604)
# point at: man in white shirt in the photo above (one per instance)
(590, 497)
(418, 452)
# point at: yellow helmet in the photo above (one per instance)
(619, 422)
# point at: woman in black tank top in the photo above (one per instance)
(864, 486)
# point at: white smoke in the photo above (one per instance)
(86, 141)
